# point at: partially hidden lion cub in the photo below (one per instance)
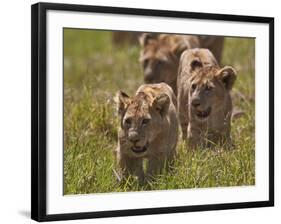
(148, 129)
(204, 101)
(160, 56)
(214, 43)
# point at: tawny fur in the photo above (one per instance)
(123, 37)
(214, 43)
(160, 54)
(148, 121)
(204, 101)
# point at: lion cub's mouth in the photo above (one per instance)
(203, 114)
(139, 149)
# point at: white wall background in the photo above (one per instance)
(15, 110)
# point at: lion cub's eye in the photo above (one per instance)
(145, 121)
(193, 87)
(128, 121)
(208, 88)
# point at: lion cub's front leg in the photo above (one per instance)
(154, 167)
(130, 166)
(194, 137)
(157, 164)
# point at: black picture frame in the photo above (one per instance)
(38, 110)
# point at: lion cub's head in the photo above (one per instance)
(160, 57)
(140, 119)
(209, 90)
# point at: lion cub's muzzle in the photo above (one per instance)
(201, 112)
(137, 147)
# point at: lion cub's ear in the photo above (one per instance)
(122, 100)
(179, 47)
(145, 38)
(161, 104)
(195, 64)
(228, 76)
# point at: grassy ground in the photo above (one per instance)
(94, 70)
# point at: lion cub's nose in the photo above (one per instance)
(134, 137)
(195, 102)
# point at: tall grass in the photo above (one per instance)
(94, 69)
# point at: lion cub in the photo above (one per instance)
(160, 56)
(204, 101)
(148, 129)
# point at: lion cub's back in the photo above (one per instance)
(153, 90)
(191, 41)
(203, 55)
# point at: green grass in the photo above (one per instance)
(94, 70)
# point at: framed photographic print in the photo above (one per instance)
(138, 111)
